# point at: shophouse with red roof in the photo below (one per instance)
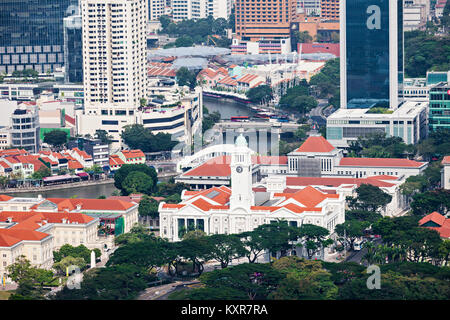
(132, 156)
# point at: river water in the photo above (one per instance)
(227, 109)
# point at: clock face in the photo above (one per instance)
(239, 169)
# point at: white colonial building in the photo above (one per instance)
(225, 210)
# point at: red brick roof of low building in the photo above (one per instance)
(133, 154)
(446, 160)
(91, 204)
(316, 144)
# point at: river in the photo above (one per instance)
(227, 107)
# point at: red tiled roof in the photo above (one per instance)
(114, 160)
(435, 217)
(28, 222)
(4, 165)
(133, 154)
(228, 81)
(7, 240)
(69, 119)
(157, 72)
(91, 204)
(74, 164)
(380, 162)
(4, 197)
(217, 167)
(82, 153)
(315, 144)
(247, 78)
(309, 196)
(332, 48)
(446, 160)
(12, 152)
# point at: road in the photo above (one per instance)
(356, 256)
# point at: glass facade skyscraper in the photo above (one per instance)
(31, 33)
(73, 49)
(371, 53)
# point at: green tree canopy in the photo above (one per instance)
(260, 94)
(56, 138)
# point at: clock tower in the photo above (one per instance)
(242, 195)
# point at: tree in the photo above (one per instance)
(118, 282)
(103, 136)
(147, 254)
(30, 280)
(121, 174)
(209, 120)
(351, 230)
(197, 250)
(137, 182)
(259, 94)
(226, 248)
(81, 251)
(185, 77)
(136, 136)
(68, 261)
(256, 281)
(184, 41)
(313, 238)
(137, 233)
(148, 207)
(430, 201)
(193, 234)
(42, 172)
(56, 138)
(370, 198)
(304, 280)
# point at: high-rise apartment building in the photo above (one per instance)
(31, 34)
(156, 9)
(114, 55)
(371, 44)
(263, 20)
(329, 9)
(200, 9)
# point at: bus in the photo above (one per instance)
(240, 119)
(358, 244)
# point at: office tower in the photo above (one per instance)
(25, 128)
(439, 114)
(371, 44)
(31, 34)
(329, 9)
(114, 55)
(73, 49)
(264, 20)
